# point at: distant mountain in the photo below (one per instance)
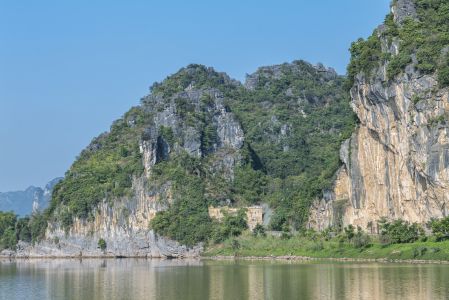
(25, 202)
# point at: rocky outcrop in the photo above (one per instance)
(123, 225)
(177, 116)
(396, 165)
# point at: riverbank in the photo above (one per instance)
(300, 248)
(296, 248)
(306, 258)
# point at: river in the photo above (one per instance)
(112, 279)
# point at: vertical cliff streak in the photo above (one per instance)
(396, 164)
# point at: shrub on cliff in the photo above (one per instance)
(102, 244)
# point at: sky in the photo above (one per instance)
(69, 68)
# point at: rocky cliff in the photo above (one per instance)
(192, 120)
(199, 139)
(396, 164)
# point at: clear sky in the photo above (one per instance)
(69, 68)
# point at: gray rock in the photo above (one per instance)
(403, 9)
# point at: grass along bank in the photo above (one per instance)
(247, 245)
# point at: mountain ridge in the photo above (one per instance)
(23, 202)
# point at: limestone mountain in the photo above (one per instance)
(396, 164)
(199, 139)
(286, 139)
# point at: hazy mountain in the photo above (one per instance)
(24, 202)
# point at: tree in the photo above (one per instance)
(399, 231)
(9, 239)
(440, 229)
(23, 232)
(102, 244)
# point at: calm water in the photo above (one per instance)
(165, 279)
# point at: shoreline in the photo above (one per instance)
(334, 259)
(291, 258)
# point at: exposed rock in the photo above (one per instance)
(403, 9)
(123, 225)
(397, 163)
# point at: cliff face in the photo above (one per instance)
(396, 164)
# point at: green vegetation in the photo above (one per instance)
(13, 229)
(8, 237)
(405, 241)
(425, 37)
(230, 226)
(102, 244)
(440, 229)
(187, 219)
(294, 117)
(259, 230)
(294, 125)
(199, 76)
(103, 171)
(437, 120)
(299, 245)
(365, 57)
(399, 232)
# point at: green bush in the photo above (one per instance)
(27, 229)
(22, 229)
(360, 239)
(235, 244)
(349, 232)
(316, 246)
(8, 239)
(231, 226)
(399, 231)
(259, 230)
(443, 76)
(102, 244)
(365, 57)
(440, 229)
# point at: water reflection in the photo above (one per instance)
(194, 279)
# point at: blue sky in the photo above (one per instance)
(68, 69)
